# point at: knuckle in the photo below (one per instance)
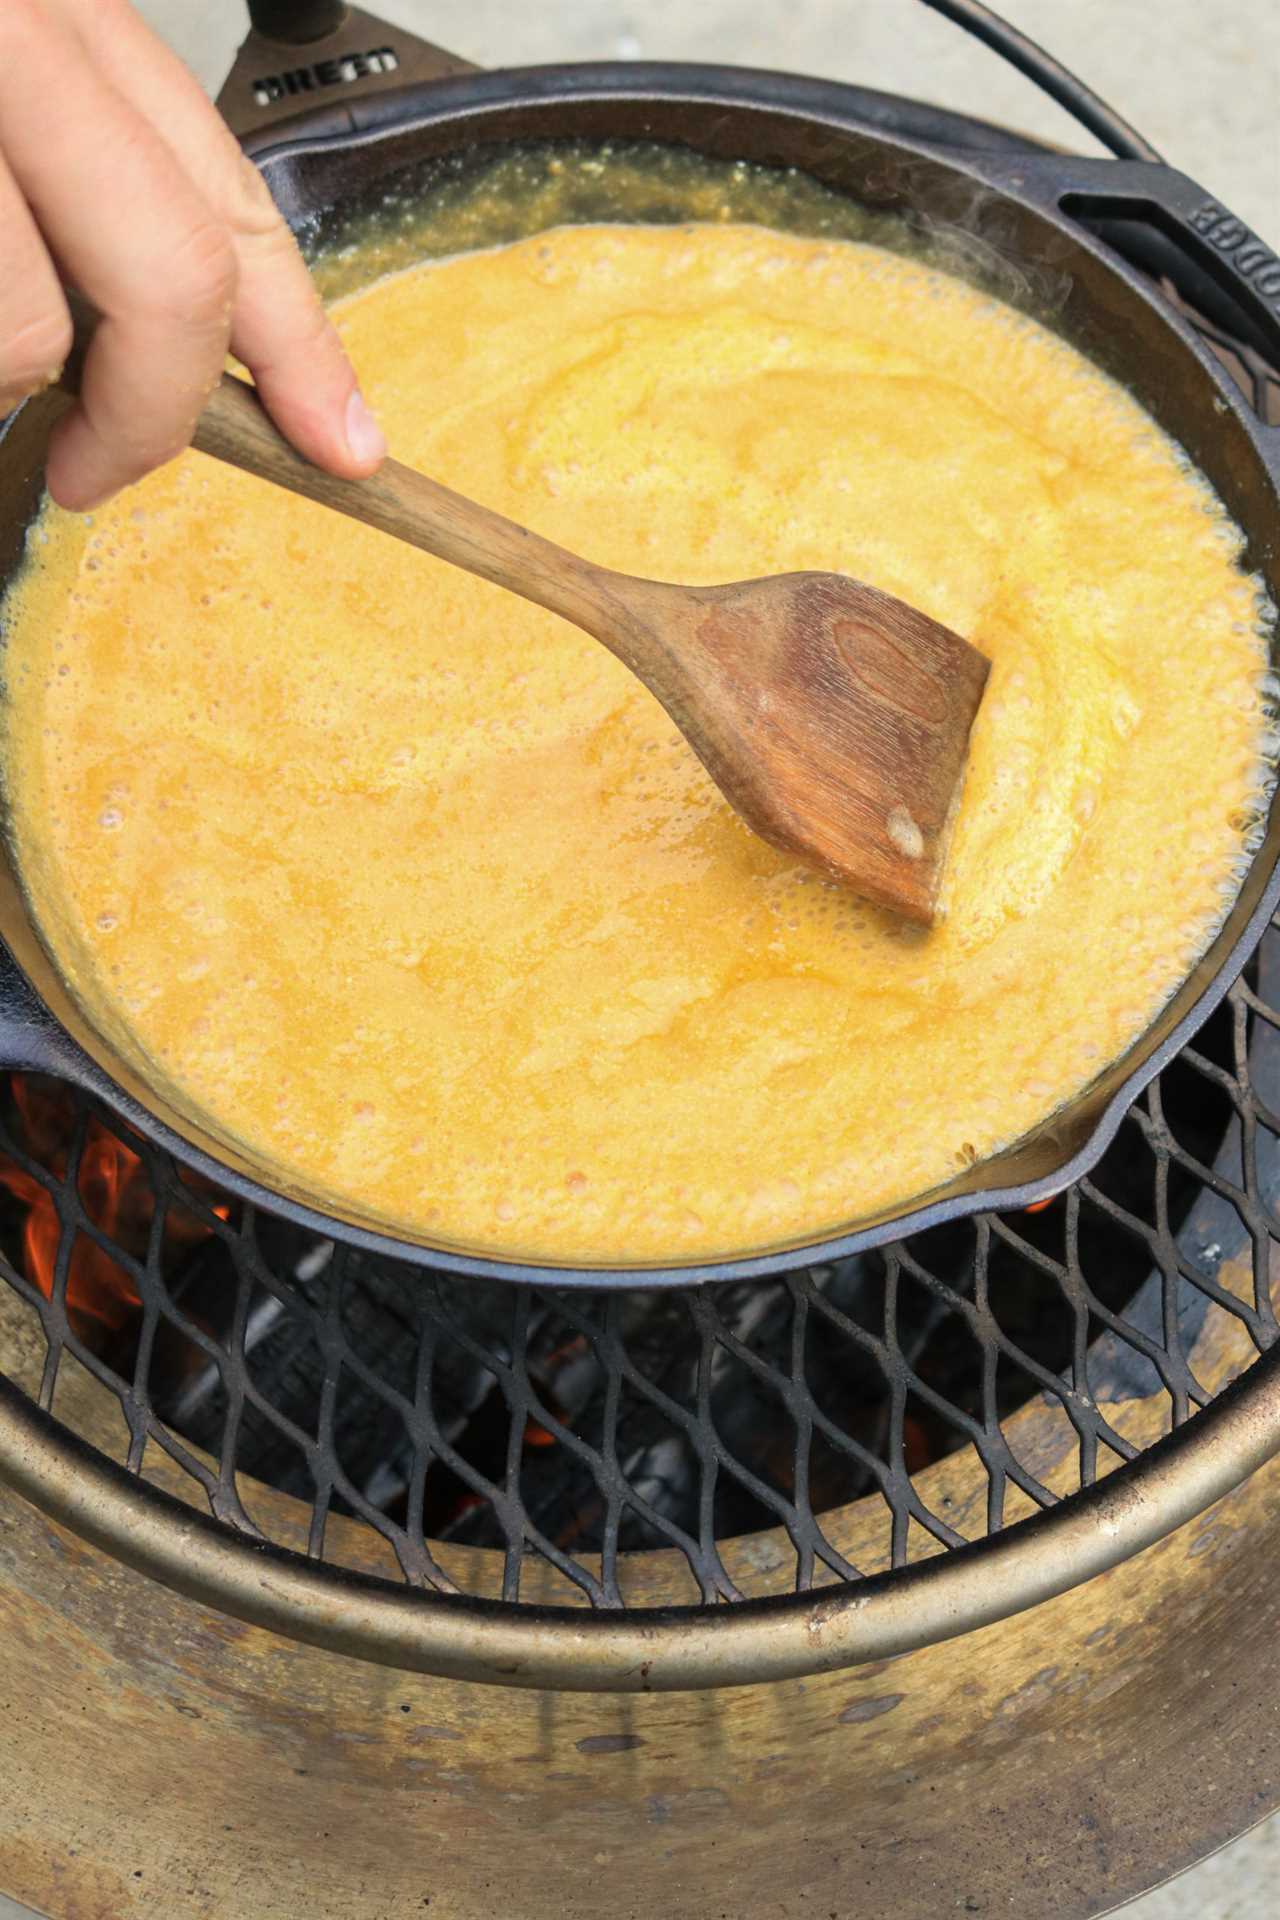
(32, 351)
(202, 277)
(314, 327)
(185, 266)
(256, 215)
(308, 334)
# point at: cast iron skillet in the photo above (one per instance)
(1043, 212)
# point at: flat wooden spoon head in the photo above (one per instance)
(832, 716)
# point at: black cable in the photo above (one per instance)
(1051, 77)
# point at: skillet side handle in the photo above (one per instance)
(32, 1040)
(1207, 251)
(306, 64)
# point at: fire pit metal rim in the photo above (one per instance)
(663, 1650)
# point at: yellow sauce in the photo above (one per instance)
(413, 890)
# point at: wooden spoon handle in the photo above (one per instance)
(235, 427)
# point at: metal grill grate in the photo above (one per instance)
(636, 1449)
(840, 1421)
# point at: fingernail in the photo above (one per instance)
(365, 439)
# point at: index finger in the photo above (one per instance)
(279, 327)
(151, 255)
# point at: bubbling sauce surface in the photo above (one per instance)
(411, 890)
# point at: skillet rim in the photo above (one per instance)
(33, 1038)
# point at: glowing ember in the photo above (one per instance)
(116, 1196)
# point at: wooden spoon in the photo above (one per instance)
(833, 717)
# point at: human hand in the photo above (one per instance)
(119, 177)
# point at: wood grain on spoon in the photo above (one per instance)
(833, 717)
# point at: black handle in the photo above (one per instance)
(1228, 252)
(294, 22)
(316, 67)
(1219, 243)
(32, 1038)
(1026, 57)
(1214, 259)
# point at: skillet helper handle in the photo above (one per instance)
(235, 427)
(1221, 245)
(1192, 226)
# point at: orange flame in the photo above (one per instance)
(116, 1196)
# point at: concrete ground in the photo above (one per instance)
(1201, 78)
